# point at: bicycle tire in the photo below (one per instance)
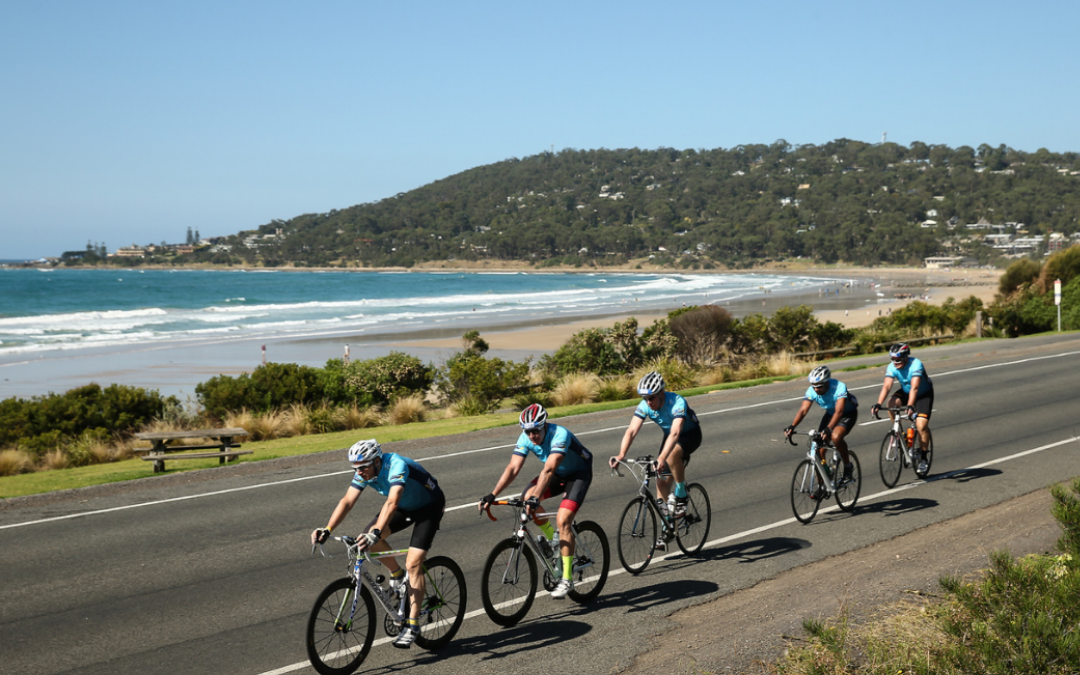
(334, 649)
(929, 458)
(636, 541)
(803, 485)
(444, 603)
(890, 460)
(592, 560)
(848, 493)
(692, 530)
(507, 590)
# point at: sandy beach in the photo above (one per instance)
(176, 368)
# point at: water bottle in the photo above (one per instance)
(662, 505)
(910, 436)
(828, 469)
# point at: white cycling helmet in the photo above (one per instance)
(365, 452)
(652, 383)
(533, 417)
(819, 375)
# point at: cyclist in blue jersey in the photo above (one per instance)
(916, 391)
(841, 412)
(682, 436)
(413, 497)
(567, 469)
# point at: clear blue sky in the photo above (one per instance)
(128, 122)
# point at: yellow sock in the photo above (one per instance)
(568, 567)
(548, 529)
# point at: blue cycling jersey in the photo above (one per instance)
(674, 407)
(912, 369)
(827, 399)
(557, 441)
(397, 470)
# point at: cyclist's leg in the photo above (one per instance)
(924, 405)
(896, 400)
(843, 428)
(554, 487)
(576, 487)
(689, 441)
(381, 546)
(427, 521)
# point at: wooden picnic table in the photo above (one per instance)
(222, 443)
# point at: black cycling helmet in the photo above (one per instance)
(900, 352)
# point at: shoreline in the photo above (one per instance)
(176, 368)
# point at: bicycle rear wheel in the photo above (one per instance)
(592, 558)
(692, 530)
(929, 458)
(890, 459)
(338, 643)
(848, 493)
(806, 492)
(637, 536)
(444, 603)
(508, 585)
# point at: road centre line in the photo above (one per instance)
(741, 535)
(477, 450)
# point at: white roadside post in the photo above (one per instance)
(1057, 300)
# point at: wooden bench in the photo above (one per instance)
(224, 446)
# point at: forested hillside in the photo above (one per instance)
(844, 200)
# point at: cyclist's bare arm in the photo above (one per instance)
(547, 473)
(914, 393)
(627, 439)
(886, 386)
(513, 468)
(388, 509)
(340, 511)
(801, 412)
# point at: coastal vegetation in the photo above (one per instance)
(861, 203)
(692, 346)
(1018, 616)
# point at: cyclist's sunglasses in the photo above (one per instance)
(653, 397)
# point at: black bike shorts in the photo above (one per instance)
(575, 486)
(425, 521)
(689, 441)
(924, 404)
(851, 416)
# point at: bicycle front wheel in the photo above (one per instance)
(592, 558)
(848, 492)
(891, 459)
(637, 536)
(929, 458)
(508, 587)
(692, 530)
(444, 603)
(806, 492)
(338, 636)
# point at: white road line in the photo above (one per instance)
(741, 535)
(477, 450)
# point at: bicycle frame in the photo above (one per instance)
(829, 484)
(362, 576)
(523, 534)
(901, 436)
(643, 469)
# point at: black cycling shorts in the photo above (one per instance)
(689, 441)
(575, 486)
(924, 404)
(851, 416)
(425, 521)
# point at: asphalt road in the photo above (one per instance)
(211, 572)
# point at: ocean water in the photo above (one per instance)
(82, 309)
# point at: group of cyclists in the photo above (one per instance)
(414, 498)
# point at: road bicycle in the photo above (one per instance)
(898, 452)
(341, 626)
(815, 480)
(637, 539)
(509, 583)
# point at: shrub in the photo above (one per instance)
(677, 375)
(618, 388)
(485, 382)
(527, 398)
(1019, 274)
(269, 387)
(378, 381)
(587, 351)
(355, 417)
(701, 333)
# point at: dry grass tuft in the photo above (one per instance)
(355, 417)
(294, 421)
(54, 459)
(406, 410)
(577, 388)
(784, 363)
(14, 462)
(715, 375)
